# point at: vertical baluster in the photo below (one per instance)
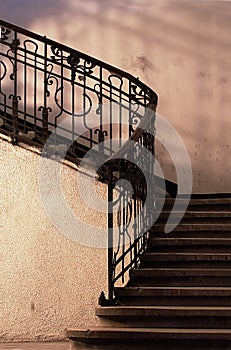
(2, 68)
(101, 133)
(120, 116)
(135, 225)
(45, 109)
(124, 212)
(130, 108)
(15, 96)
(73, 75)
(138, 216)
(25, 86)
(150, 145)
(61, 100)
(35, 88)
(110, 235)
(111, 121)
(84, 80)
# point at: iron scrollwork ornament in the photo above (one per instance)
(4, 34)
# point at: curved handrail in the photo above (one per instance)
(64, 73)
(82, 55)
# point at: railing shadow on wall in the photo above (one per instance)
(49, 91)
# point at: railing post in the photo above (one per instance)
(101, 138)
(15, 96)
(45, 124)
(110, 235)
(44, 108)
(14, 119)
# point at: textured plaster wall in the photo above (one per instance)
(47, 281)
(180, 48)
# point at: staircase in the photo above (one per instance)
(180, 295)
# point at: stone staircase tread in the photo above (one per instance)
(160, 272)
(192, 227)
(198, 201)
(122, 333)
(173, 291)
(166, 256)
(169, 310)
(193, 214)
(191, 240)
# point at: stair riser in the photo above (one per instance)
(187, 264)
(173, 321)
(203, 248)
(190, 234)
(190, 227)
(180, 281)
(196, 220)
(175, 300)
(197, 207)
(155, 344)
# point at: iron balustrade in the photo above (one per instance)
(131, 202)
(47, 88)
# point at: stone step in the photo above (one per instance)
(196, 217)
(186, 259)
(182, 240)
(149, 257)
(191, 234)
(200, 201)
(180, 277)
(191, 227)
(190, 244)
(192, 214)
(206, 296)
(151, 311)
(167, 316)
(108, 338)
(215, 204)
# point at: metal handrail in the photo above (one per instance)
(82, 55)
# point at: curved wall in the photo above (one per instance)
(48, 281)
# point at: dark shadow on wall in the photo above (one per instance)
(23, 12)
(173, 31)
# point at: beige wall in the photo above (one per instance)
(180, 48)
(47, 281)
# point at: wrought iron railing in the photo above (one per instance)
(47, 88)
(131, 202)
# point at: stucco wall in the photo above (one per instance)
(180, 48)
(47, 281)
